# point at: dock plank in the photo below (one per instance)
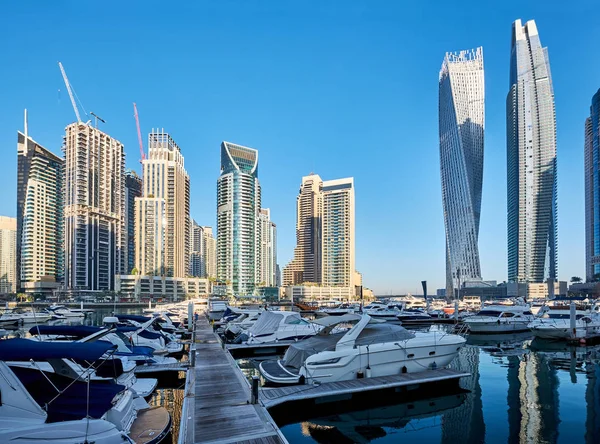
(271, 397)
(221, 409)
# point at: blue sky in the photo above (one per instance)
(340, 88)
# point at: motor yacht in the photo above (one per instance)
(338, 310)
(408, 316)
(276, 326)
(65, 312)
(369, 349)
(500, 319)
(411, 302)
(32, 316)
(385, 312)
(216, 309)
(55, 407)
(555, 323)
(8, 318)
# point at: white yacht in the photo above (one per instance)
(162, 342)
(216, 309)
(66, 312)
(410, 302)
(384, 312)
(338, 310)
(55, 408)
(369, 349)
(32, 316)
(276, 326)
(8, 317)
(500, 319)
(555, 323)
(408, 316)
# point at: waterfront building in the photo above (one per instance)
(238, 205)
(163, 212)
(202, 251)
(592, 190)
(172, 289)
(268, 249)
(94, 208)
(306, 264)
(325, 234)
(8, 255)
(133, 189)
(531, 160)
(338, 237)
(318, 293)
(40, 248)
(461, 131)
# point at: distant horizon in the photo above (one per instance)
(338, 89)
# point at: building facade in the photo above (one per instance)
(40, 222)
(203, 252)
(238, 205)
(164, 288)
(268, 249)
(306, 264)
(337, 233)
(592, 190)
(461, 131)
(133, 189)
(531, 160)
(163, 212)
(8, 255)
(94, 208)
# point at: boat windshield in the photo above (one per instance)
(492, 313)
(378, 333)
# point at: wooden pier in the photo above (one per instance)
(271, 397)
(217, 406)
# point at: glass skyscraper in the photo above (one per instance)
(531, 160)
(461, 128)
(238, 226)
(592, 189)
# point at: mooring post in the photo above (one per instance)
(190, 316)
(192, 355)
(254, 397)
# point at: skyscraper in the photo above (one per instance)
(592, 189)
(324, 252)
(133, 189)
(531, 160)
(461, 128)
(40, 248)
(163, 213)
(203, 252)
(8, 255)
(338, 255)
(238, 205)
(268, 249)
(94, 198)
(306, 264)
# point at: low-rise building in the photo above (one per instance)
(317, 293)
(540, 290)
(162, 287)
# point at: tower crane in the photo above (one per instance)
(68, 85)
(139, 132)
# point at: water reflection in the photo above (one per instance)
(519, 390)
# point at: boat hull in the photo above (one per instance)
(496, 327)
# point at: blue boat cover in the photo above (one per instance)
(78, 331)
(149, 335)
(72, 404)
(141, 350)
(136, 318)
(24, 349)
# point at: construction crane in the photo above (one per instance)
(97, 117)
(68, 85)
(137, 123)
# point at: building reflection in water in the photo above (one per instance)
(465, 424)
(592, 400)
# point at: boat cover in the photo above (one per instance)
(266, 324)
(149, 335)
(24, 349)
(72, 403)
(78, 331)
(136, 318)
(297, 353)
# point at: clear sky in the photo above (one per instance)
(339, 88)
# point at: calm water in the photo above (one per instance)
(519, 391)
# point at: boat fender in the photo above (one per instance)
(368, 372)
(360, 374)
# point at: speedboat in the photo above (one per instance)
(66, 312)
(369, 349)
(407, 316)
(216, 309)
(555, 323)
(276, 326)
(8, 317)
(60, 407)
(500, 319)
(338, 310)
(384, 312)
(32, 316)
(148, 333)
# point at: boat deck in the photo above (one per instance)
(221, 411)
(271, 397)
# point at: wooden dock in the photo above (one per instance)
(217, 407)
(271, 397)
